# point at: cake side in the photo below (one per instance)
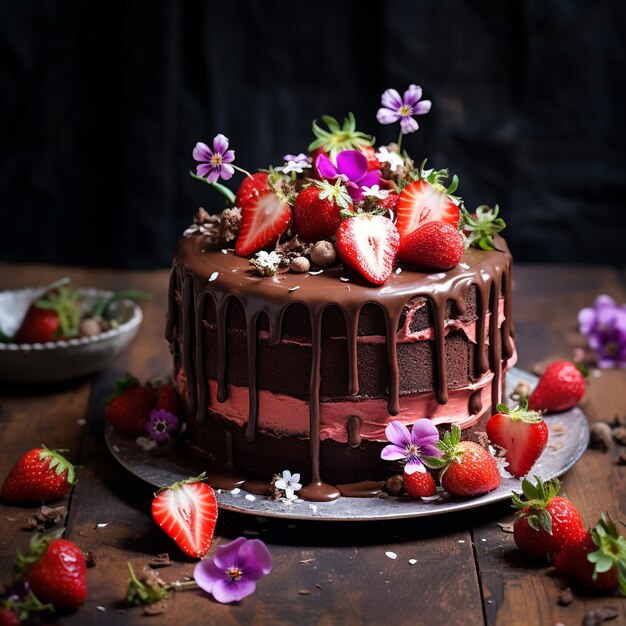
(447, 357)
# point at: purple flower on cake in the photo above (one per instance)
(231, 574)
(161, 425)
(411, 446)
(403, 109)
(604, 326)
(353, 170)
(289, 483)
(214, 164)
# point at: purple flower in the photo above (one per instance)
(396, 108)
(411, 446)
(352, 168)
(161, 425)
(604, 326)
(232, 572)
(298, 158)
(214, 164)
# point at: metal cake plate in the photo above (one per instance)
(568, 439)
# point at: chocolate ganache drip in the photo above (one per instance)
(200, 277)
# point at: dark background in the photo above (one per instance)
(102, 102)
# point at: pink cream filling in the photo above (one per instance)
(284, 415)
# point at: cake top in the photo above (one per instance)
(344, 204)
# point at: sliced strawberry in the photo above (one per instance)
(421, 202)
(368, 244)
(264, 218)
(433, 246)
(251, 186)
(187, 512)
(522, 433)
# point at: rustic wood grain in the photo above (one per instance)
(517, 590)
(467, 570)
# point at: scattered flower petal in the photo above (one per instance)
(391, 555)
(231, 574)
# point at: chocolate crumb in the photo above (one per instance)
(619, 434)
(597, 617)
(45, 517)
(506, 527)
(161, 560)
(304, 592)
(601, 437)
(158, 608)
(621, 457)
(566, 597)
(319, 586)
(90, 559)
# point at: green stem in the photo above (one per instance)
(225, 191)
(400, 141)
(180, 585)
(240, 169)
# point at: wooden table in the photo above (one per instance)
(468, 570)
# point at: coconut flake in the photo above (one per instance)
(250, 497)
(294, 288)
(391, 555)
(213, 276)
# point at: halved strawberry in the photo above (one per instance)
(187, 512)
(522, 433)
(264, 218)
(421, 202)
(251, 186)
(368, 243)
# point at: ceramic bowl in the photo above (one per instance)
(64, 359)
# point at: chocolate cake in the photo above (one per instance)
(285, 369)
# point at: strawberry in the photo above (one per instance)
(55, 569)
(9, 617)
(53, 316)
(128, 409)
(433, 246)
(168, 399)
(368, 243)
(187, 512)
(522, 433)
(561, 387)
(546, 523)
(369, 153)
(264, 218)
(251, 186)
(40, 475)
(468, 469)
(421, 202)
(316, 211)
(388, 203)
(419, 484)
(598, 559)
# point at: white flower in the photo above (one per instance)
(393, 158)
(289, 484)
(294, 166)
(375, 192)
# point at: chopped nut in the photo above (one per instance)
(394, 485)
(300, 265)
(506, 528)
(601, 436)
(90, 559)
(323, 253)
(304, 592)
(89, 327)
